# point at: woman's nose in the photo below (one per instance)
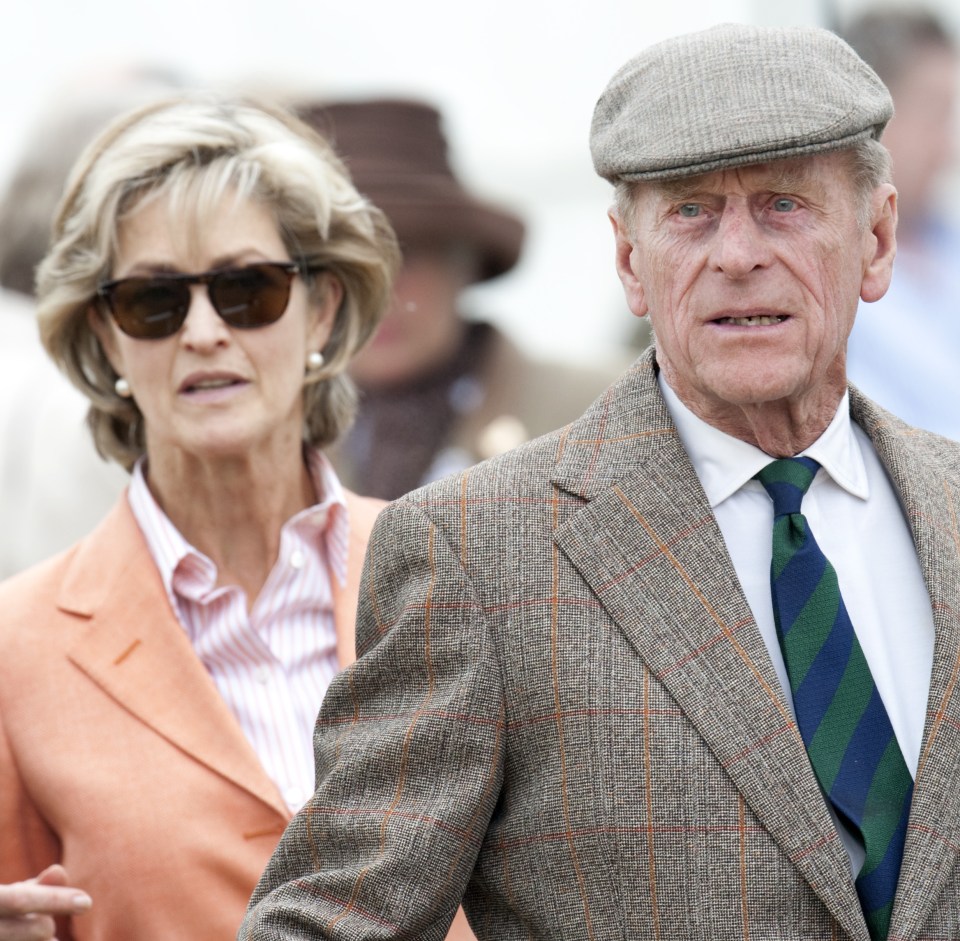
(203, 327)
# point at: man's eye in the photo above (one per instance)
(689, 210)
(784, 204)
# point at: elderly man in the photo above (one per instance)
(608, 686)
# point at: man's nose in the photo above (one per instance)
(740, 245)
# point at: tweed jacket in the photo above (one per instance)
(564, 709)
(119, 758)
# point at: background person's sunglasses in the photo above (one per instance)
(156, 307)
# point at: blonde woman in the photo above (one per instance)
(211, 274)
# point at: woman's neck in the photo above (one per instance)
(232, 509)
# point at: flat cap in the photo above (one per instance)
(734, 95)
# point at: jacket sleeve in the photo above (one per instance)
(409, 757)
(27, 845)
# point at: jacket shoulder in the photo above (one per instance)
(896, 439)
(35, 586)
(516, 470)
(82, 571)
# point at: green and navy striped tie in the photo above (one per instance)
(851, 744)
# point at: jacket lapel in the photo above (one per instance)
(648, 545)
(930, 495)
(130, 644)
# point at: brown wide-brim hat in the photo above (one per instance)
(397, 155)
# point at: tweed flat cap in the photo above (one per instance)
(734, 95)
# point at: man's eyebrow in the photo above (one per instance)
(684, 188)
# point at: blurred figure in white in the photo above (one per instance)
(904, 349)
(53, 485)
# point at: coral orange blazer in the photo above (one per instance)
(118, 757)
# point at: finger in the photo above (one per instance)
(24, 898)
(27, 928)
(53, 875)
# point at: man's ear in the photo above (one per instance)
(625, 258)
(881, 244)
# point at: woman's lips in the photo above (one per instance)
(209, 382)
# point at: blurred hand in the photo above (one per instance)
(27, 908)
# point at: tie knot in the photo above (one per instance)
(787, 481)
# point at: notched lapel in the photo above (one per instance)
(133, 648)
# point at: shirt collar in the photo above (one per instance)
(186, 571)
(724, 463)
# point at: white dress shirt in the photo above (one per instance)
(273, 664)
(857, 520)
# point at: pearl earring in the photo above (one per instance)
(122, 388)
(314, 360)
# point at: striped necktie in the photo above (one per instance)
(842, 719)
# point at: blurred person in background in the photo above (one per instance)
(439, 390)
(212, 272)
(53, 485)
(904, 349)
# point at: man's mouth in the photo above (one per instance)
(764, 320)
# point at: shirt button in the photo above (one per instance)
(262, 676)
(297, 559)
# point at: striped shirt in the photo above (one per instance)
(272, 665)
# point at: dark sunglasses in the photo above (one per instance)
(156, 307)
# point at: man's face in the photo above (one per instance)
(751, 278)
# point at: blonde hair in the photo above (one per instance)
(191, 151)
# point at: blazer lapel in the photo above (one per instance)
(931, 501)
(648, 545)
(130, 644)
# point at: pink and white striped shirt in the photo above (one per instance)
(272, 665)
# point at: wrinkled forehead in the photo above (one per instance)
(820, 174)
